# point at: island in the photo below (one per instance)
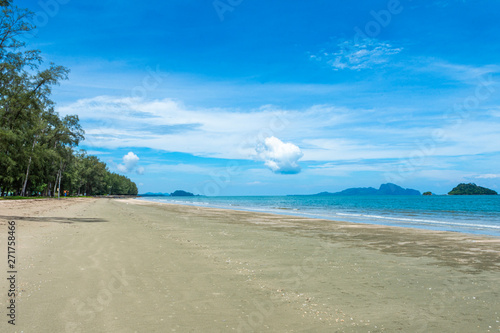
(384, 189)
(427, 193)
(180, 193)
(471, 189)
(150, 194)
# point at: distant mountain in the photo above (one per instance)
(358, 191)
(385, 189)
(471, 189)
(149, 194)
(393, 189)
(180, 193)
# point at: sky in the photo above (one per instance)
(239, 97)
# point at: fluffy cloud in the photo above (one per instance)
(130, 163)
(278, 156)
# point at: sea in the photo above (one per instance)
(475, 214)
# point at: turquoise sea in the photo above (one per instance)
(466, 214)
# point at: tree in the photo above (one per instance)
(24, 98)
(471, 189)
(37, 146)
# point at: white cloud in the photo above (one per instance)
(169, 125)
(474, 75)
(129, 163)
(495, 113)
(324, 132)
(96, 152)
(182, 168)
(489, 176)
(358, 55)
(278, 156)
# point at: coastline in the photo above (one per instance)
(379, 237)
(440, 214)
(125, 265)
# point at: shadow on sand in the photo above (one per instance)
(53, 219)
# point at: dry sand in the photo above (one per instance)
(109, 265)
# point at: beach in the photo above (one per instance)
(124, 265)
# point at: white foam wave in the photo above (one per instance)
(421, 221)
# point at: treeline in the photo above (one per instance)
(39, 152)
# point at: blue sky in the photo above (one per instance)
(237, 97)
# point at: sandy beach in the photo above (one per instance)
(124, 265)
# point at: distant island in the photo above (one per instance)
(385, 189)
(149, 194)
(180, 193)
(471, 189)
(427, 193)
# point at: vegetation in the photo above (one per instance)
(427, 193)
(471, 189)
(38, 148)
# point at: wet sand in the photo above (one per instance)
(124, 265)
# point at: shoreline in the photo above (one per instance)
(376, 231)
(125, 265)
(387, 221)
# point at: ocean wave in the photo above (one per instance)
(385, 213)
(286, 208)
(421, 221)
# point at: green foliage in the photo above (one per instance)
(427, 193)
(19, 198)
(180, 193)
(87, 175)
(471, 189)
(37, 146)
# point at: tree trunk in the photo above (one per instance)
(61, 169)
(59, 186)
(55, 183)
(23, 192)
